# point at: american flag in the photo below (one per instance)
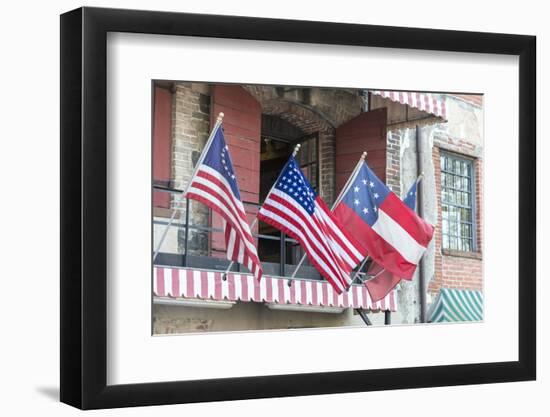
(215, 185)
(293, 207)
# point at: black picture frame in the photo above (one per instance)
(84, 207)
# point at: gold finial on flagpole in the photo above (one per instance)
(220, 117)
(296, 149)
(364, 155)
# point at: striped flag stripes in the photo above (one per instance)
(293, 207)
(215, 185)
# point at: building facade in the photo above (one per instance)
(262, 124)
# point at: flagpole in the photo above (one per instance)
(219, 121)
(294, 152)
(344, 190)
(359, 269)
(350, 180)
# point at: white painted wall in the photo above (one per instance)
(174, 319)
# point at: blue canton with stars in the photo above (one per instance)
(410, 198)
(293, 182)
(218, 158)
(366, 194)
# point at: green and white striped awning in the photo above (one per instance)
(453, 305)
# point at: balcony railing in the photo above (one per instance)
(181, 253)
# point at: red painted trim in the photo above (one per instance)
(162, 144)
(366, 132)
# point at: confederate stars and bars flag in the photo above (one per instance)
(393, 234)
(215, 185)
(293, 207)
(384, 281)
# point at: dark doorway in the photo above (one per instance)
(279, 138)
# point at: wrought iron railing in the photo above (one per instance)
(184, 257)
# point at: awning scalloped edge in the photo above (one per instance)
(208, 285)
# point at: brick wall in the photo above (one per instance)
(479, 203)
(460, 272)
(190, 131)
(436, 282)
(336, 106)
(454, 269)
(393, 161)
(313, 110)
(327, 166)
(308, 122)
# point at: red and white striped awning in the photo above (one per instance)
(426, 102)
(209, 285)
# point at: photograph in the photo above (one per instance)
(265, 209)
(278, 207)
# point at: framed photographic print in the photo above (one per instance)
(256, 208)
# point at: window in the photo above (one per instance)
(308, 159)
(457, 203)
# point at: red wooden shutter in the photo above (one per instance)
(366, 132)
(242, 129)
(162, 144)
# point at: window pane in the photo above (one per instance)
(454, 243)
(453, 226)
(450, 196)
(465, 215)
(465, 199)
(465, 230)
(456, 199)
(453, 213)
(307, 158)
